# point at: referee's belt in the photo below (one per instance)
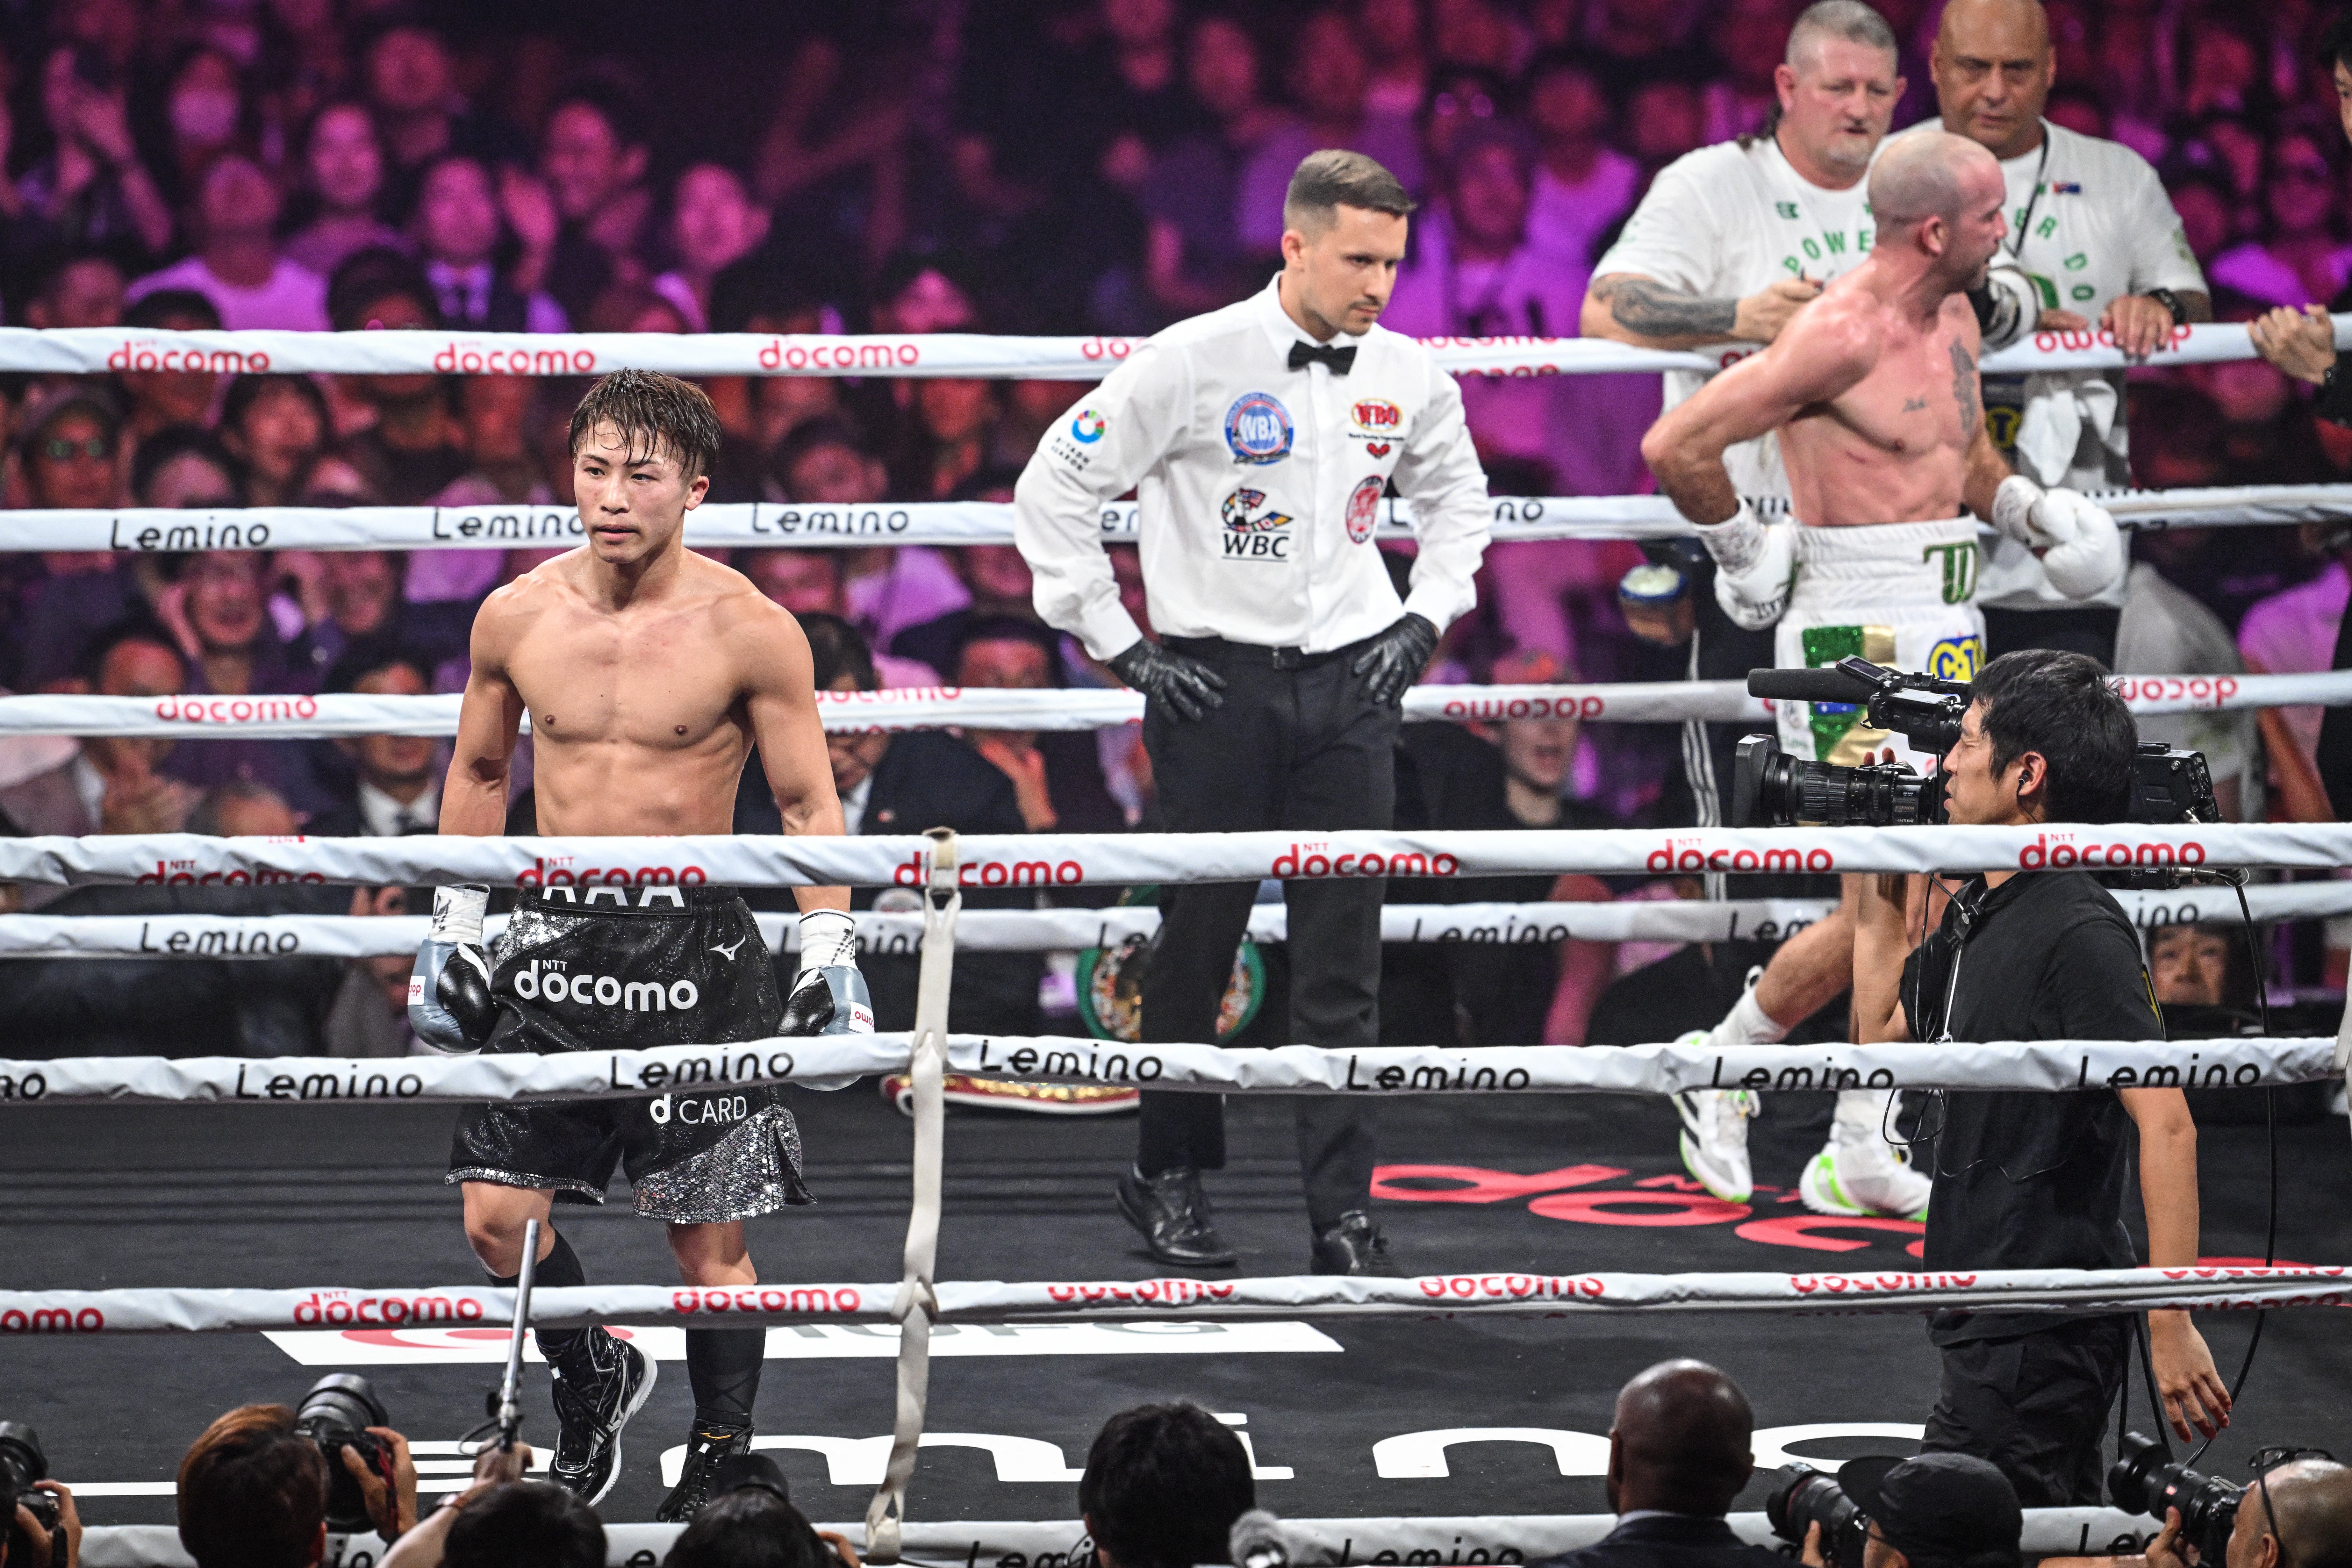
(1224, 650)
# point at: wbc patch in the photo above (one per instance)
(1257, 428)
(1241, 512)
(1364, 508)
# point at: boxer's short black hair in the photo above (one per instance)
(655, 414)
(2060, 704)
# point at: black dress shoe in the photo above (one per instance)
(1172, 1213)
(1354, 1246)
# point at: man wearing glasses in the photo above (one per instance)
(2297, 1514)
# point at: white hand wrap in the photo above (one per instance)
(2081, 548)
(1754, 564)
(828, 939)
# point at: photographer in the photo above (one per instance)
(253, 1492)
(2025, 1180)
(2297, 1514)
(1933, 1511)
(1678, 1454)
(750, 1522)
(41, 1548)
(1162, 1487)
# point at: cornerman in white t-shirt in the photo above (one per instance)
(2094, 239)
(1729, 244)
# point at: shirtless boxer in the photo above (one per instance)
(1874, 390)
(649, 672)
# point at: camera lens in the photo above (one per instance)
(1806, 1496)
(336, 1413)
(2145, 1479)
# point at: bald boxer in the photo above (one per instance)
(1874, 390)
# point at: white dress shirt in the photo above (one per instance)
(1258, 486)
(387, 818)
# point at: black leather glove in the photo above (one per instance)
(1186, 685)
(1396, 658)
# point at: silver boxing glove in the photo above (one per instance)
(449, 1002)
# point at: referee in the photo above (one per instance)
(1260, 440)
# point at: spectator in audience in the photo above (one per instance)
(342, 181)
(632, 307)
(750, 1522)
(1582, 185)
(218, 610)
(839, 144)
(2166, 630)
(1162, 1487)
(812, 583)
(183, 467)
(2191, 965)
(2303, 255)
(905, 784)
(593, 158)
(1002, 588)
(204, 115)
(2295, 632)
(947, 438)
(713, 224)
(78, 289)
(112, 785)
(1193, 259)
(415, 448)
(459, 235)
(410, 84)
(1327, 75)
(276, 426)
(237, 265)
(253, 1492)
(1057, 774)
(161, 398)
(66, 456)
(90, 188)
(1747, 36)
(2207, 211)
(822, 462)
(1678, 1454)
(360, 604)
(1667, 118)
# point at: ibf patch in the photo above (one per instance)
(1364, 508)
(1257, 428)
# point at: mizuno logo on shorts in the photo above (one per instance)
(603, 991)
(728, 952)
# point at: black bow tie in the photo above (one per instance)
(1339, 361)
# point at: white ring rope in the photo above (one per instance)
(302, 717)
(1455, 1538)
(636, 870)
(1046, 930)
(1499, 1293)
(831, 1061)
(99, 351)
(767, 524)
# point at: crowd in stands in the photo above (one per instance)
(1003, 165)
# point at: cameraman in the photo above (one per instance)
(253, 1492)
(2297, 1515)
(1931, 1510)
(40, 1548)
(2025, 1180)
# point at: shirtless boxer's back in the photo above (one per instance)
(1874, 390)
(649, 673)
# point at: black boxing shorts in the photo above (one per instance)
(624, 969)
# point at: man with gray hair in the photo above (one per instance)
(1260, 440)
(1731, 244)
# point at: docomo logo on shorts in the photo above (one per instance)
(1511, 1288)
(605, 990)
(2205, 690)
(1142, 1293)
(562, 873)
(462, 357)
(1591, 705)
(2080, 338)
(1314, 860)
(840, 353)
(1693, 855)
(52, 1321)
(2057, 852)
(335, 1310)
(1874, 1285)
(912, 873)
(155, 354)
(236, 710)
(768, 1299)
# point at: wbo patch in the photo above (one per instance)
(1087, 427)
(1374, 418)
(1364, 508)
(1257, 428)
(1241, 512)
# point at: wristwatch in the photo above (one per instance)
(2171, 301)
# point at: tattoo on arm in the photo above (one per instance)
(1913, 405)
(1964, 393)
(1640, 305)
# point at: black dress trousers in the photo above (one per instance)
(1299, 747)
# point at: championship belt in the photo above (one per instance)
(1110, 990)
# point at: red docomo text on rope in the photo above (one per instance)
(1312, 859)
(2058, 851)
(767, 1298)
(337, 1309)
(1693, 855)
(52, 1321)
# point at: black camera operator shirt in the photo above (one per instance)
(2027, 1180)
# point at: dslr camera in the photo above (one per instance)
(1806, 1496)
(1773, 789)
(2146, 1479)
(339, 1409)
(21, 1464)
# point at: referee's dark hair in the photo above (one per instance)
(1163, 1485)
(2060, 704)
(1326, 181)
